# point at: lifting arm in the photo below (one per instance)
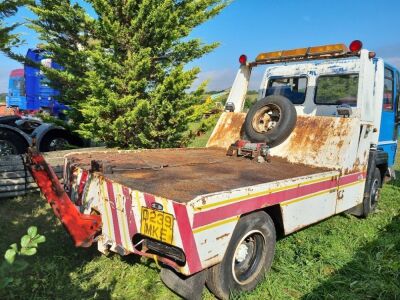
(81, 227)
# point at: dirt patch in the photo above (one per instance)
(7, 111)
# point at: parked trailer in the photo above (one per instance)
(214, 218)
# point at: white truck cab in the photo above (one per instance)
(328, 81)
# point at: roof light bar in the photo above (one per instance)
(328, 49)
(316, 52)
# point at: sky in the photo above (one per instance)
(253, 26)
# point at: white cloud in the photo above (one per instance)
(223, 79)
(394, 61)
(4, 74)
(217, 79)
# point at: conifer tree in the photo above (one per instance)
(124, 65)
(8, 39)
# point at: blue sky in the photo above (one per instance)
(253, 26)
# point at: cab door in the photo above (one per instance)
(388, 131)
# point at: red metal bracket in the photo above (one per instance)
(81, 227)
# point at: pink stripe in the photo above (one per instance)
(129, 214)
(351, 178)
(189, 244)
(235, 209)
(113, 205)
(245, 206)
(149, 199)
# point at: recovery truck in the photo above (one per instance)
(319, 141)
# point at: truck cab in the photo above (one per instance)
(388, 135)
(364, 86)
(29, 89)
(16, 89)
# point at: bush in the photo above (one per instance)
(11, 265)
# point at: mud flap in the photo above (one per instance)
(187, 287)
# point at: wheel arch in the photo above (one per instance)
(46, 128)
(19, 132)
(381, 162)
(377, 159)
(275, 212)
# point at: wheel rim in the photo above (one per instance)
(248, 256)
(58, 144)
(266, 118)
(7, 148)
(374, 196)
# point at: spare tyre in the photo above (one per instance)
(270, 120)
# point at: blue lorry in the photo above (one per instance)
(29, 89)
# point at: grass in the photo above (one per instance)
(341, 258)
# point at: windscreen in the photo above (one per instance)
(337, 89)
(18, 86)
(293, 88)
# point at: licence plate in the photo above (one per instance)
(157, 225)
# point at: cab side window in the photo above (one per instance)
(293, 88)
(388, 90)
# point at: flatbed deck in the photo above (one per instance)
(183, 174)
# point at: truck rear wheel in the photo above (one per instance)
(270, 120)
(248, 257)
(56, 140)
(371, 195)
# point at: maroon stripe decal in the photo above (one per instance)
(113, 205)
(129, 213)
(189, 244)
(346, 179)
(149, 199)
(245, 206)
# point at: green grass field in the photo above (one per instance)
(341, 258)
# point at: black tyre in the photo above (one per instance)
(59, 139)
(270, 120)
(372, 192)
(9, 120)
(12, 143)
(248, 257)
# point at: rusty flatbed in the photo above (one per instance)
(183, 174)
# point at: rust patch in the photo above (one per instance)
(357, 167)
(311, 134)
(183, 174)
(139, 175)
(223, 236)
(228, 130)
